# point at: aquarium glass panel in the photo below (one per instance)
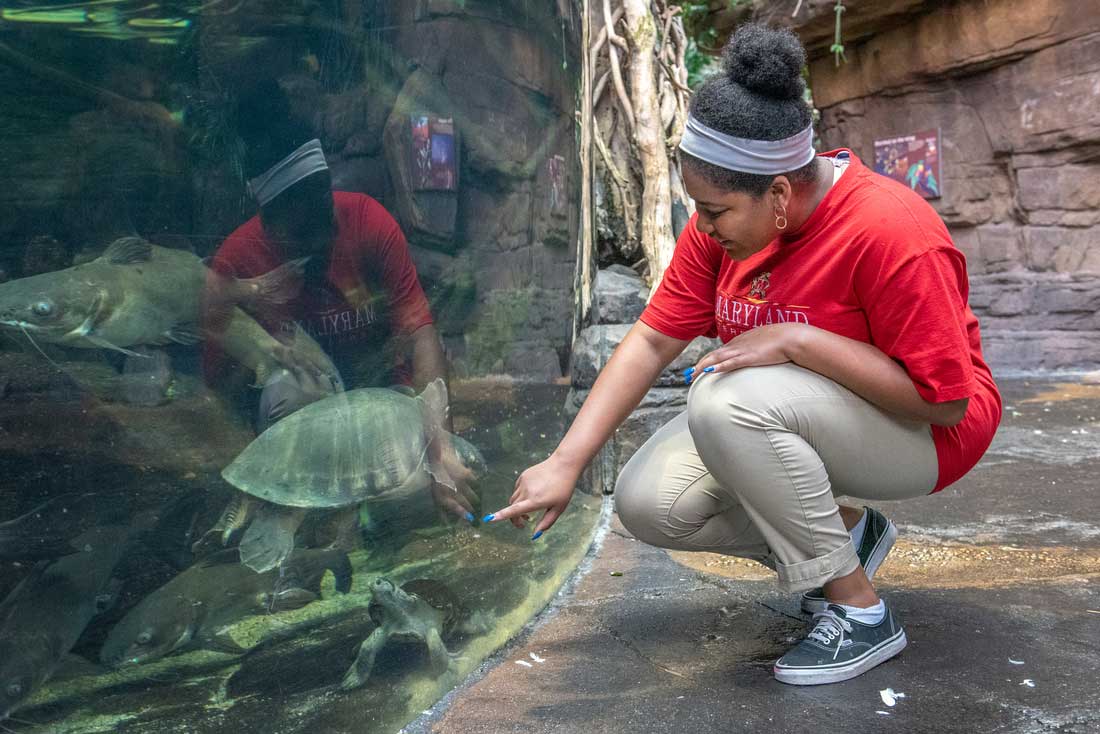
(286, 304)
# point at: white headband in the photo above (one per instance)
(767, 157)
(305, 161)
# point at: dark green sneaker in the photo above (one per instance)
(838, 648)
(878, 538)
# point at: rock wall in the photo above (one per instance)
(506, 73)
(1015, 90)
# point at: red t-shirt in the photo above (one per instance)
(369, 292)
(875, 263)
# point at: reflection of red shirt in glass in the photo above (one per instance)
(875, 263)
(369, 293)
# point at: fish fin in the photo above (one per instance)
(270, 538)
(186, 334)
(104, 344)
(273, 288)
(222, 642)
(7, 606)
(128, 251)
(96, 314)
(287, 599)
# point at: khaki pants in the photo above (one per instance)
(752, 469)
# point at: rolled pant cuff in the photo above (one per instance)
(816, 571)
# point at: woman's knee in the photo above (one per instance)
(731, 399)
(634, 499)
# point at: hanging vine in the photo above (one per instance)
(639, 106)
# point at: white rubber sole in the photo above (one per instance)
(881, 550)
(838, 673)
(878, 555)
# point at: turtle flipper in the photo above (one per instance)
(437, 652)
(234, 517)
(270, 538)
(360, 670)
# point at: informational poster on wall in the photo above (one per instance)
(433, 166)
(913, 160)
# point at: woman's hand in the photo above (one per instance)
(451, 490)
(545, 486)
(764, 345)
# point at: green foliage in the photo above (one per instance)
(700, 65)
(703, 43)
(837, 48)
(695, 14)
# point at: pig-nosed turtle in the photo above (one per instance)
(352, 447)
(420, 611)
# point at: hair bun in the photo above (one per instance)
(766, 60)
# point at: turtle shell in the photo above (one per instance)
(347, 448)
(434, 593)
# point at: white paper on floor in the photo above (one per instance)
(537, 659)
(1028, 682)
(1016, 662)
(524, 663)
(889, 696)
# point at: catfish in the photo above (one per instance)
(195, 608)
(139, 294)
(42, 618)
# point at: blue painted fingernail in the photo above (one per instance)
(708, 369)
(687, 380)
(688, 371)
(469, 517)
(537, 535)
(487, 518)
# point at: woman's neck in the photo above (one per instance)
(804, 204)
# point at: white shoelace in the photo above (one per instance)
(828, 626)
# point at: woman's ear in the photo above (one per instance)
(781, 191)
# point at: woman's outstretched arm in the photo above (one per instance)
(621, 384)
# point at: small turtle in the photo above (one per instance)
(360, 446)
(421, 611)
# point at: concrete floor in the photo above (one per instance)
(995, 579)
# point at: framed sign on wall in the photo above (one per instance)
(913, 160)
(433, 165)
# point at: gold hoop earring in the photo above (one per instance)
(780, 218)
